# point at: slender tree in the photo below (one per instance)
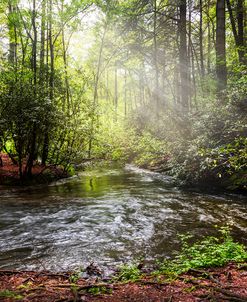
(201, 40)
(183, 56)
(238, 27)
(221, 71)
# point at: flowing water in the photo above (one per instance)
(109, 216)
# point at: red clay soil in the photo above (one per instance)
(10, 171)
(219, 284)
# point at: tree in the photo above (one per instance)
(238, 27)
(183, 57)
(221, 71)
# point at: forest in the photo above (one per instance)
(123, 141)
(161, 84)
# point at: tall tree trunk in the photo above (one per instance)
(12, 56)
(65, 64)
(45, 150)
(237, 29)
(34, 45)
(201, 41)
(221, 71)
(189, 51)
(155, 56)
(241, 42)
(116, 91)
(125, 92)
(107, 87)
(183, 58)
(209, 39)
(42, 42)
(32, 146)
(95, 94)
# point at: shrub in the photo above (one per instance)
(129, 272)
(209, 252)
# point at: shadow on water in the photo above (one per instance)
(108, 215)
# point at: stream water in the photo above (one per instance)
(109, 216)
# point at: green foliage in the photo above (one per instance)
(25, 286)
(214, 152)
(10, 294)
(209, 252)
(229, 162)
(127, 145)
(129, 272)
(99, 290)
(76, 276)
(223, 165)
(147, 150)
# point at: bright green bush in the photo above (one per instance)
(209, 252)
(129, 272)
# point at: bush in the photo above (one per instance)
(209, 252)
(129, 272)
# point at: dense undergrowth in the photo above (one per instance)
(209, 252)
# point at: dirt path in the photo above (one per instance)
(219, 284)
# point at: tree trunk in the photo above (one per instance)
(209, 39)
(12, 56)
(65, 64)
(240, 20)
(190, 52)
(155, 55)
(45, 150)
(221, 71)
(183, 58)
(32, 146)
(95, 95)
(125, 92)
(42, 42)
(116, 92)
(201, 42)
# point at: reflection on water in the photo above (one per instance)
(107, 215)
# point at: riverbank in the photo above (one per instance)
(9, 173)
(228, 283)
(197, 163)
(207, 183)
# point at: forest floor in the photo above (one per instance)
(218, 284)
(9, 172)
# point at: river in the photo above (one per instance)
(109, 216)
